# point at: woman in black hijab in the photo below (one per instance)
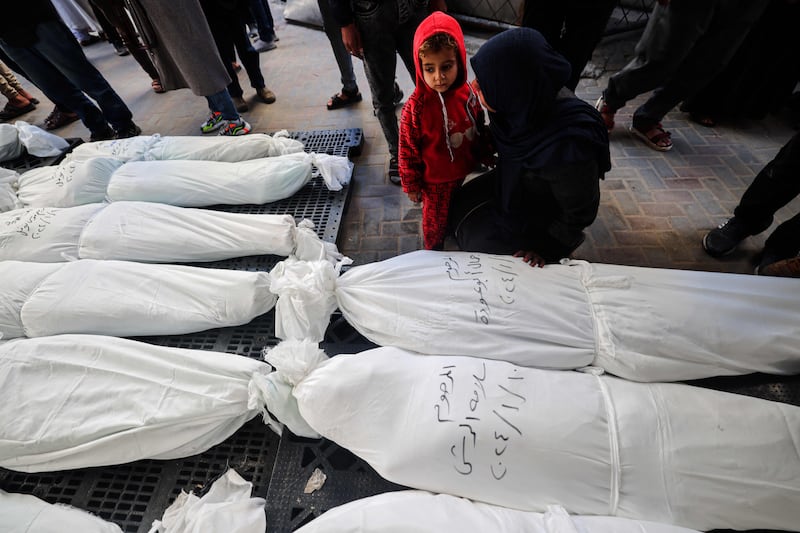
(552, 151)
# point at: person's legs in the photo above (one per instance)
(55, 43)
(584, 25)
(435, 210)
(711, 52)
(262, 14)
(219, 22)
(343, 59)
(221, 103)
(114, 11)
(547, 17)
(668, 38)
(248, 56)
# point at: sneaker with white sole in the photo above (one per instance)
(235, 127)
(213, 123)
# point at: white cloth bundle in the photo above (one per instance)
(79, 401)
(23, 513)
(227, 506)
(151, 232)
(214, 148)
(416, 511)
(8, 190)
(10, 147)
(202, 183)
(126, 299)
(644, 324)
(68, 184)
(525, 438)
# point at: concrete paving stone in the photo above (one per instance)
(379, 243)
(637, 238)
(628, 255)
(709, 203)
(720, 190)
(651, 178)
(626, 203)
(655, 209)
(393, 229)
(677, 196)
(683, 183)
(663, 168)
(639, 190)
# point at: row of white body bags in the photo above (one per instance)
(525, 438)
(79, 401)
(416, 511)
(125, 298)
(643, 324)
(152, 232)
(212, 148)
(188, 183)
(24, 513)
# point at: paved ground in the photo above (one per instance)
(654, 210)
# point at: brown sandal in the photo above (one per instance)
(655, 137)
(157, 87)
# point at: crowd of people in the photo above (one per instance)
(525, 182)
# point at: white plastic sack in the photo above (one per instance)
(44, 234)
(23, 513)
(213, 148)
(69, 184)
(305, 11)
(416, 511)
(203, 183)
(526, 438)
(79, 401)
(8, 190)
(227, 506)
(10, 147)
(645, 324)
(150, 232)
(39, 142)
(126, 299)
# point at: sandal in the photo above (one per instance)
(606, 113)
(157, 87)
(343, 99)
(11, 111)
(704, 120)
(655, 137)
(57, 119)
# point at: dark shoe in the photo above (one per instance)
(121, 50)
(239, 103)
(394, 172)
(265, 95)
(725, 238)
(91, 39)
(103, 135)
(11, 111)
(264, 46)
(131, 130)
(57, 119)
(398, 94)
(344, 99)
(785, 268)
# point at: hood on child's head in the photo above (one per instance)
(438, 22)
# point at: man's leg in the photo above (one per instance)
(343, 59)
(584, 25)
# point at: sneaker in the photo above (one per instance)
(239, 103)
(234, 128)
(131, 130)
(103, 135)
(725, 238)
(394, 172)
(785, 268)
(265, 95)
(213, 123)
(264, 46)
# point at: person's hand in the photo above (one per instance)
(352, 40)
(530, 257)
(437, 5)
(415, 197)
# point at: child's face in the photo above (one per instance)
(439, 69)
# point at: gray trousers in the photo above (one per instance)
(684, 45)
(383, 37)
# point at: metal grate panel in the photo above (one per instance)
(26, 161)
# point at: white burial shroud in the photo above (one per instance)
(416, 511)
(22, 513)
(125, 298)
(214, 148)
(202, 183)
(155, 233)
(526, 438)
(644, 324)
(79, 401)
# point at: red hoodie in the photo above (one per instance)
(441, 136)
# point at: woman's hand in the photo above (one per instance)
(530, 257)
(352, 40)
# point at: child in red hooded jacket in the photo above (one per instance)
(442, 132)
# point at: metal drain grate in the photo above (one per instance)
(784, 389)
(344, 142)
(26, 161)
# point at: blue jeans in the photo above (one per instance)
(263, 17)
(343, 58)
(222, 102)
(57, 65)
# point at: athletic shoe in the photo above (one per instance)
(264, 46)
(214, 122)
(234, 128)
(265, 95)
(725, 238)
(131, 130)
